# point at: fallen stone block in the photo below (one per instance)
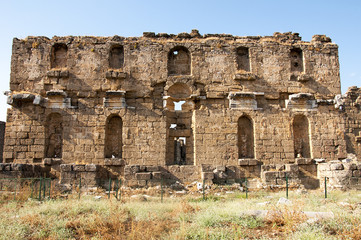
(263, 214)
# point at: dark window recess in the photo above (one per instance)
(243, 59)
(296, 60)
(179, 61)
(116, 57)
(59, 56)
(54, 136)
(113, 137)
(301, 137)
(245, 138)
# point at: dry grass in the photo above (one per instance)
(188, 217)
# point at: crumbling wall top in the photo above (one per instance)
(287, 37)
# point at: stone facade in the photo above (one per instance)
(186, 106)
(2, 135)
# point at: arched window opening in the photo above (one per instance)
(113, 137)
(59, 56)
(245, 138)
(54, 136)
(301, 137)
(243, 59)
(116, 57)
(179, 61)
(296, 60)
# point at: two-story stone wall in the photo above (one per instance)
(98, 100)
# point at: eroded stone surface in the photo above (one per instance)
(178, 103)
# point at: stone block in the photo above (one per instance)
(90, 168)
(143, 176)
(152, 168)
(47, 161)
(207, 175)
(79, 168)
(280, 181)
(336, 166)
(17, 167)
(270, 175)
(265, 168)
(350, 166)
(8, 155)
(7, 167)
(289, 174)
(89, 175)
(356, 173)
(280, 167)
(207, 168)
(142, 183)
(252, 162)
(132, 169)
(243, 162)
(66, 167)
(354, 181)
(304, 161)
(220, 168)
(324, 167)
(129, 176)
(157, 175)
(291, 167)
(113, 162)
(68, 175)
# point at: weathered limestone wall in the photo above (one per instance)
(340, 175)
(351, 106)
(247, 102)
(2, 138)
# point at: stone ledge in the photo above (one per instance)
(113, 74)
(58, 74)
(304, 161)
(51, 161)
(114, 162)
(248, 162)
(245, 76)
(302, 77)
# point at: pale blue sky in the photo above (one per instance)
(339, 20)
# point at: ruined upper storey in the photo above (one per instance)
(212, 65)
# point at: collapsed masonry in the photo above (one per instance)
(181, 108)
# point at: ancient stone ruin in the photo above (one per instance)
(184, 107)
